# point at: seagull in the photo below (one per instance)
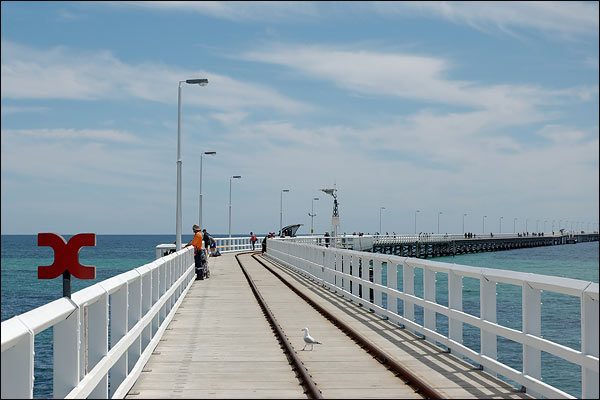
(309, 339)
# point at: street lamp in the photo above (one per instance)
(464, 215)
(439, 213)
(545, 225)
(416, 220)
(514, 225)
(484, 217)
(501, 224)
(380, 208)
(312, 213)
(208, 153)
(201, 82)
(537, 226)
(232, 177)
(553, 225)
(281, 210)
(526, 221)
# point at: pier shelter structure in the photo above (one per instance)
(157, 332)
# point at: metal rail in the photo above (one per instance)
(380, 355)
(305, 377)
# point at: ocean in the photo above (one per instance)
(114, 254)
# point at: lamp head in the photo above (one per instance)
(236, 177)
(201, 82)
(210, 153)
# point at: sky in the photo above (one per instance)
(450, 108)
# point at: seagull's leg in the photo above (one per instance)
(303, 347)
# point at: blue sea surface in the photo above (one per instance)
(115, 254)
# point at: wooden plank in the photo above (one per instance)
(327, 363)
(219, 345)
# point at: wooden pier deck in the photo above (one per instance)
(219, 345)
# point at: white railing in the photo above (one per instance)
(224, 245)
(333, 268)
(443, 237)
(103, 335)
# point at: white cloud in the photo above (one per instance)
(236, 11)
(416, 77)
(104, 135)
(591, 62)
(561, 134)
(6, 110)
(60, 73)
(566, 19)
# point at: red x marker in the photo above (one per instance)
(66, 256)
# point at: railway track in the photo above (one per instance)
(326, 372)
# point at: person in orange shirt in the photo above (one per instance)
(199, 256)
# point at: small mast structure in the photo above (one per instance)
(335, 218)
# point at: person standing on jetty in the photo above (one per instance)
(199, 257)
(253, 240)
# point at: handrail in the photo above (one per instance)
(224, 245)
(134, 307)
(344, 271)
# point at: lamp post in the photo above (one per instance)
(232, 177)
(380, 208)
(464, 215)
(545, 225)
(553, 225)
(312, 214)
(526, 221)
(281, 210)
(514, 225)
(501, 224)
(201, 82)
(537, 226)
(484, 217)
(417, 211)
(439, 213)
(208, 153)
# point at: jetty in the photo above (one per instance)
(157, 332)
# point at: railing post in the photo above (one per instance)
(429, 294)
(133, 317)
(66, 355)
(344, 267)
(408, 276)
(392, 282)
(155, 297)
(354, 268)
(377, 298)
(589, 341)
(455, 327)
(487, 311)
(364, 276)
(118, 329)
(532, 324)
(17, 365)
(98, 341)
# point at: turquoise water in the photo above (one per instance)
(114, 254)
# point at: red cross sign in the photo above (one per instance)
(66, 256)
